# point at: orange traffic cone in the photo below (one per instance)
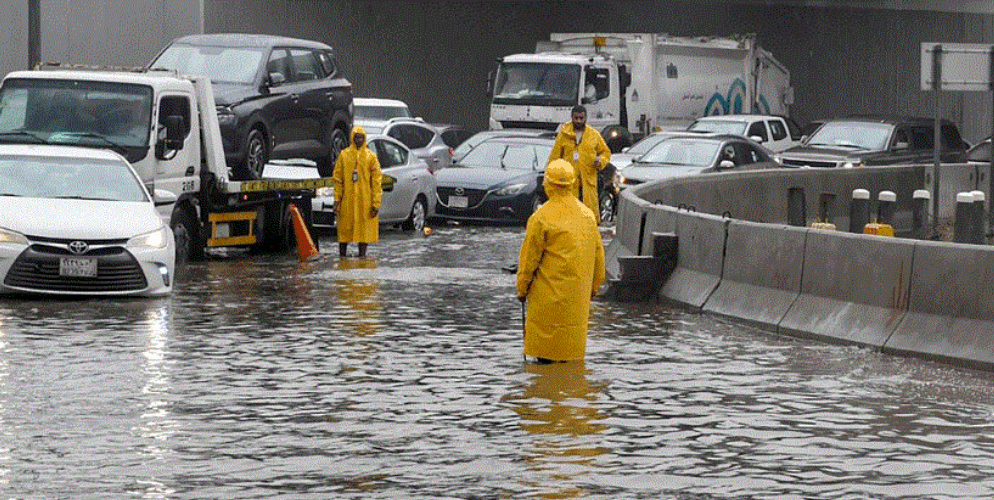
(305, 245)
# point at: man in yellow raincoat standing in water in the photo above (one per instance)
(358, 192)
(560, 269)
(585, 149)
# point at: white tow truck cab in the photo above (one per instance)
(166, 125)
(633, 84)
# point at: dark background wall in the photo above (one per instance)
(436, 55)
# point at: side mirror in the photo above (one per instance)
(726, 164)
(626, 148)
(756, 138)
(804, 138)
(175, 133)
(276, 79)
(163, 197)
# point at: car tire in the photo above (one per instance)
(337, 142)
(419, 214)
(536, 202)
(186, 234)
(608, 202)
(256, 157)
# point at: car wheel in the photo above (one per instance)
(337, 142)
(185, 234)
(607, 203)
(536, 202)
(256, 157)
(419, 212)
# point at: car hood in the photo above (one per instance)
(228, 94)
(823, 153)
(83, 219)
(479, 178)
(650, 172)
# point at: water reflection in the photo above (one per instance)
(360, 296)
(157, 424)
(558, 409)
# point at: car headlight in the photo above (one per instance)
(512, 189)
(8, 236)
(225, 115)
(154, 239)
(325, 192)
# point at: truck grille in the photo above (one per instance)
(37, 268)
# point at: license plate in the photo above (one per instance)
(78, 267)
(458, 201)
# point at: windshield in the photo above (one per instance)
(373, 112)
(643, 146)
(683, 152)
(538, 82)
(75, 112)
(498, 154)
(720, 126)
(220, 64)
(855, 135)
(84, 178)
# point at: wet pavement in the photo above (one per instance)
(400, 376)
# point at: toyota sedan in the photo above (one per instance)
(78, 221)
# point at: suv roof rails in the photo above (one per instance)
(50, 65)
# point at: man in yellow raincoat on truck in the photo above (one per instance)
(358, 192)
(585, 149)
(560, 268)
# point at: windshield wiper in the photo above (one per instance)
(11, 194)
(22, 131)
(90, 135)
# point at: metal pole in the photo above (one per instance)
(990, 172)
(34, 33)
(936, 85)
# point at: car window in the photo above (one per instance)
(328, 63)
(717, 126)
(85, 178)
(279, 62)
(219, 64)
(486, 154)
(305, 65)
(682, 152)
(381, 111)
(951, 138)
(520, 157)
(411, 136)
(454, 137)
(758, 129)
(777, 130)
(643, 146)
(793, 129)
(853, 135)
(748, 153)
(390, 155)
(921, 138)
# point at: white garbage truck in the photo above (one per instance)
(165, 124)
(633, 84)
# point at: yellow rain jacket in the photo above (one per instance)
(560, 268)
(582, 157)
(358, 187)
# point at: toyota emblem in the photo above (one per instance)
(460, 191)
(78, 247)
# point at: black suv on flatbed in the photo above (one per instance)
(276, 97)
(875, 140)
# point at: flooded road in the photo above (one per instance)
(400, 376)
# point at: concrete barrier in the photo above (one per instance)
(631, 208)
(701, 239)
(951, 307)
(659, 219)
(854, 288)
(761, 275)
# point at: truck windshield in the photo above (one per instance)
(77, 112)
(545, 83)
(219, 64)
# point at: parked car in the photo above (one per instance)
(276, 97)
(474, 140)
(79, 221)
(408, 188)
(422, 139)
(685, 155)
(641, 147)
(497, 181)
(373, 113)
(775, 133)
(874, 140)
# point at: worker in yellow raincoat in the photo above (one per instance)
(358, 191)
(560, 268)
(585, 149)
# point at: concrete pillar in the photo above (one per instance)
(919, 213)
(962, 226)
(979, 217)
(886, 201)
(859, 210)
(796, 207)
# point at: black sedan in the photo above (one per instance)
(498, 181)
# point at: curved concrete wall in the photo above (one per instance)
(738, 258)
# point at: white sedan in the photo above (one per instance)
(78, 221)
(408, 188)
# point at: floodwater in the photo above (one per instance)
(400, 376)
